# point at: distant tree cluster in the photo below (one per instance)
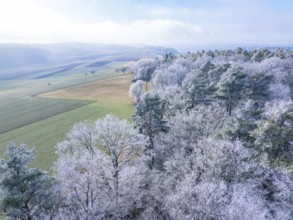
(211, 139)
(122, 69)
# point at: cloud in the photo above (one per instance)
(32, 23)
(23, 20)
(228, 22)
(161, 12)
(158, 31)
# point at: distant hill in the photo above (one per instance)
(18, 60)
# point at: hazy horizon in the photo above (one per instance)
(178, 24)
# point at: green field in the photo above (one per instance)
(18, 111)
(40, 115)
(45, 134)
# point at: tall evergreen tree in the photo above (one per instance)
(148, 117)
(196, 89)
(208, 66)
(244, 121)
(257, 87)
(26, 192)
(274, 134)
(230, 88)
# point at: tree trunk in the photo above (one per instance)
(230, 106)
(116, 183)
(26, 207)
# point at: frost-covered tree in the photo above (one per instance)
(168, 57)
(93, 181)
(217, 200)
(121, 142)
(261, 54)
(171, 98)
(80, 137)
(207, 67)
(274, 134)
(144, 69)
(172, 156)
(173, 74)
(186, 129)
(205, 186)
(215, 73)
(189, 127)
(285, 74)
(84, 180)
(196, 89)
(225, 183)
(148, 117)
(231, 87)
(243, 123)
(136, 90)
(257, 87)
(26, 193)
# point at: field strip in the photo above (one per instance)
(14, 116)
(19, 110)
(112, 90)
(42, 121)
(41, 86)
(45, 134)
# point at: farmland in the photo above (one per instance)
(45, 89)
(108, 90)
(31, 110)
(20, 104)
(40, 115)
(45, 134)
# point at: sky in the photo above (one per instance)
(176, 23)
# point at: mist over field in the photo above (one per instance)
(148, 109)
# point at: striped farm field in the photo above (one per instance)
(17, 111)
(45, 134)
(43, 120)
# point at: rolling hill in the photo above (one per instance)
(28, 60)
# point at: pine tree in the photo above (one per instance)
(274, 134)
(26, 192)
(148, 117)
(196, 89)
(258, 87)
(230, 88)
(244, 121)
(208, 66)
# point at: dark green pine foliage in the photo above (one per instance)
(243, 123)
(25, 192)
(148, 117)
(257, 88)
(169, 58)
(196, 89)
(274, 135)
(261, 54)
(216, 73)
(208, 66)
(231, 88)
